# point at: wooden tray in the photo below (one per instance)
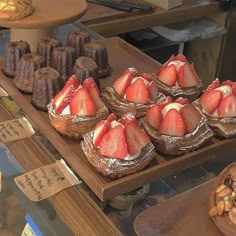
(121, 56)
(185, 214)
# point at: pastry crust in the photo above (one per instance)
(15, 9)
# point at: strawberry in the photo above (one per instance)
(89, 82)
(82, 104)
(122, 83)
(215, 84)
(168, 75)
(187, 76)
(101, 128)
(165, 102)
(172, 124)
(234, 88)
(114, 123)
(182, 100)
(136, 138)
(113, 143)
(146, 76)
(191, 117)
(210, 100)
(137, 92)
(63, 98)
(227, 107)
(128, 118)
(96, 96)
(154, 116)
(227, 82)
(153, 90)
(73, 80)
(180, 57)
(111, 117)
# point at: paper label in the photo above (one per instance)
(3, 93)
(16, 129)
(46, 181)
(28, 231)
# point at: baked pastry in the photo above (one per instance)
(98, 53)
(47, 83)
(26, 67)
(118, 147)
(131, 93)
(77, 108)
(15, 9)
(13, 53)
(46, 46)
(78, 39)
(85, 67)
(63, 60)
(218, 104)
(176, 127)
(177, 78)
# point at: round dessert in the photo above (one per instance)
(77, 108)
(98, 53)
(47, 83)
(218, 105)
(26, 67)
(46, 46)
(223, 201)
(77, 39)
(15, 9)
(176, 127)
(13, 53)
(63, 60)
(177, 78)
(132, 93)
(118, 148)
(86, 67)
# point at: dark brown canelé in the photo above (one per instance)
(46, 46)
(63, 60)
(77, 39)
(47, 83)
(26, 67)
(85, 67)
(98, 53)
(13, 53)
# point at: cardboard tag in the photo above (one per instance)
(3, 93)
(28, 231)
(46, 181)
(16, 129)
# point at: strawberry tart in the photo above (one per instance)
(77, 108)
(218, 104)
(177, 78)
(118, 147)
(176, 127)
(132, 93)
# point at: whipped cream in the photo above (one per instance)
(225, 89)
(174, 105)
(66, 110)
(177, 64)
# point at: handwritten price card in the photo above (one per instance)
(46, 181)
(16, 129)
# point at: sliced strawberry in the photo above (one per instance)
(123, 82)
(96, 96)
(89, 82)
(146, 76)
(180, 57)
(111, 117)
(191, 117)
(101, 128)
(136, 138)
(154, 116)
(113, 143)
(137, 92)
(73, 80)
(187, 76)
(182, 100)
(128, 118)
(82, 104)
(168, 75)
(210, 100)
(172, 58)
(63, 98)
(227, 82)
(165, 102)
(172, 124)
(153, 90)
(215, 84)
(227, 107)
(114, 123)
(234, 88)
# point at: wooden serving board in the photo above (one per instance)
(185, 214)
(121, 56)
